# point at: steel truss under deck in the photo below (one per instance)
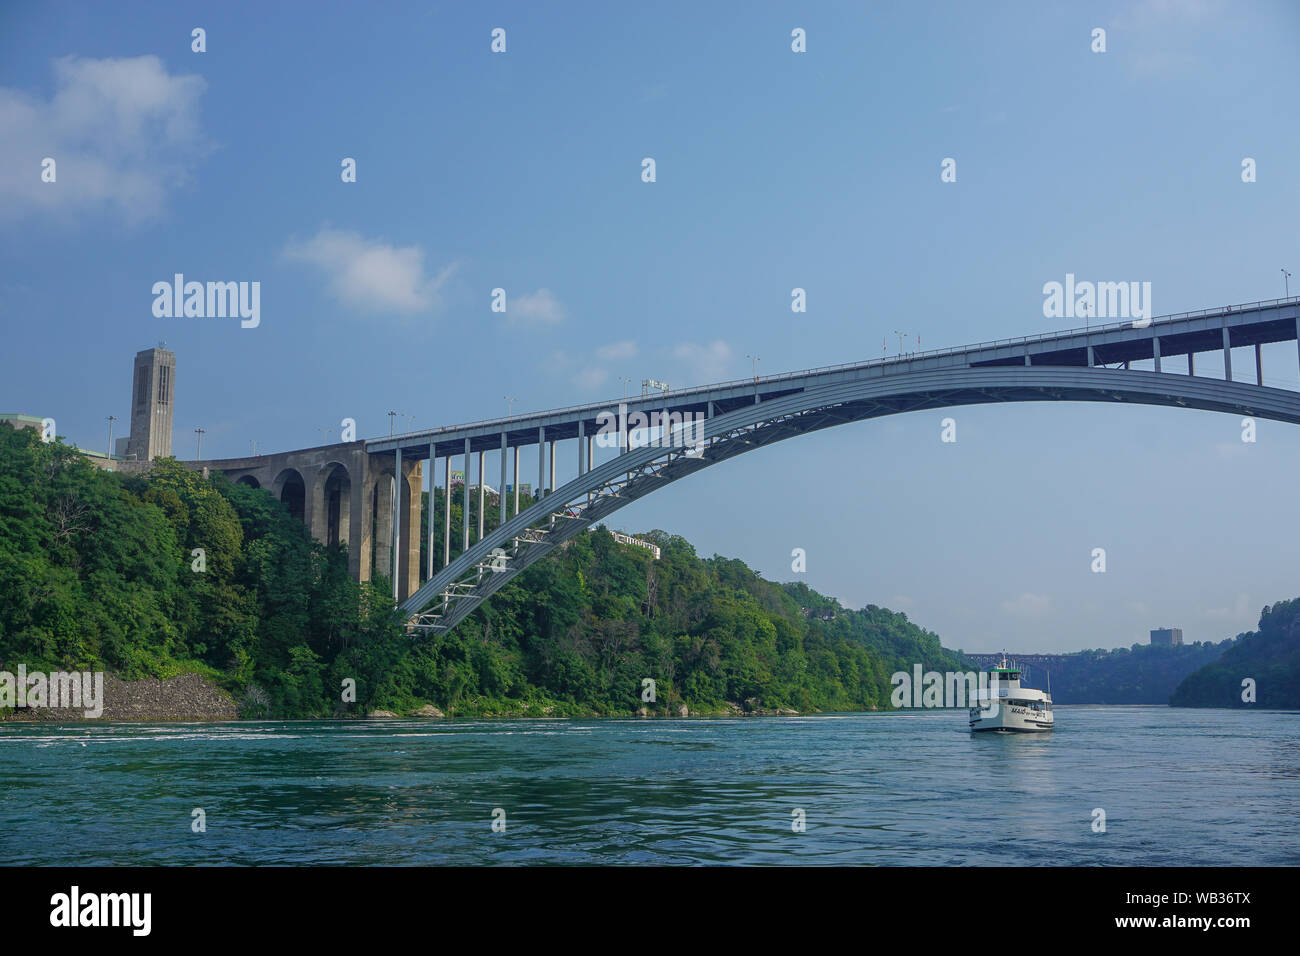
(445, 600)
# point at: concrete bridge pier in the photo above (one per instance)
(344, 495)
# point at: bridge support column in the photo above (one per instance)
(381, 499)
(1227, 355)
(551, 458)
(1191, 363)
(464, 497)
(433, 512)
(482, 502)
(360, 529)
(408, 560)
(316, 509)
(398, 481)
(446, 514)
(501, 491)
(582, 449)
(1092, 359)
(541, 461)
(1259, 364)
(516, 479)
(1027, 361)
(1155, 350)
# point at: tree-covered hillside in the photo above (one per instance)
(98, 570)
(1268, 657)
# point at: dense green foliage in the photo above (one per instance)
(1141, 674)
(1270, 657)
(98, 570)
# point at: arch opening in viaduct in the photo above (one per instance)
(290, 489)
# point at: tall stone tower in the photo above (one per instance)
(153, 391)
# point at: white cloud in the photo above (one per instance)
(1158, 13)
(1231, 449)
(1240, 611)
(1163, 37)
(616, 350)
(593, 372)
(123, 134)
(540, 307)
(593, 376)
(1028, 605)
(371, 274)
(704, 362)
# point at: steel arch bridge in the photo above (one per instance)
(454, 592)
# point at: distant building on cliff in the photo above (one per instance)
(153, 390)
(1166, 636)
(152, 395)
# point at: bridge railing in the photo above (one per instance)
(680, 393)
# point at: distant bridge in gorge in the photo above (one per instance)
(1047, 661)
(347, 493)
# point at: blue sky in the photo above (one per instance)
(775, 170)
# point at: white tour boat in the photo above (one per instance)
(1010, 708)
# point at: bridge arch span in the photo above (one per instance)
(460, 587)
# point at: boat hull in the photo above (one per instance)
(1012, 720)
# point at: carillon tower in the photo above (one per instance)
(152, 394)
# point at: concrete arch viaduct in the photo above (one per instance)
(345, 493)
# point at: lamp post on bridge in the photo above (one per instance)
(110, 419)
(198, 444)
(1286, 282)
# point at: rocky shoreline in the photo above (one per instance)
(186, 697)
(192, 697)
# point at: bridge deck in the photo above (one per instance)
(1256, 323)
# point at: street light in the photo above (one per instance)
(901, 336)
(510, 405)
(392, 417)
(111, 419)
(1286, 281)
(198, 444)
(626, 381)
